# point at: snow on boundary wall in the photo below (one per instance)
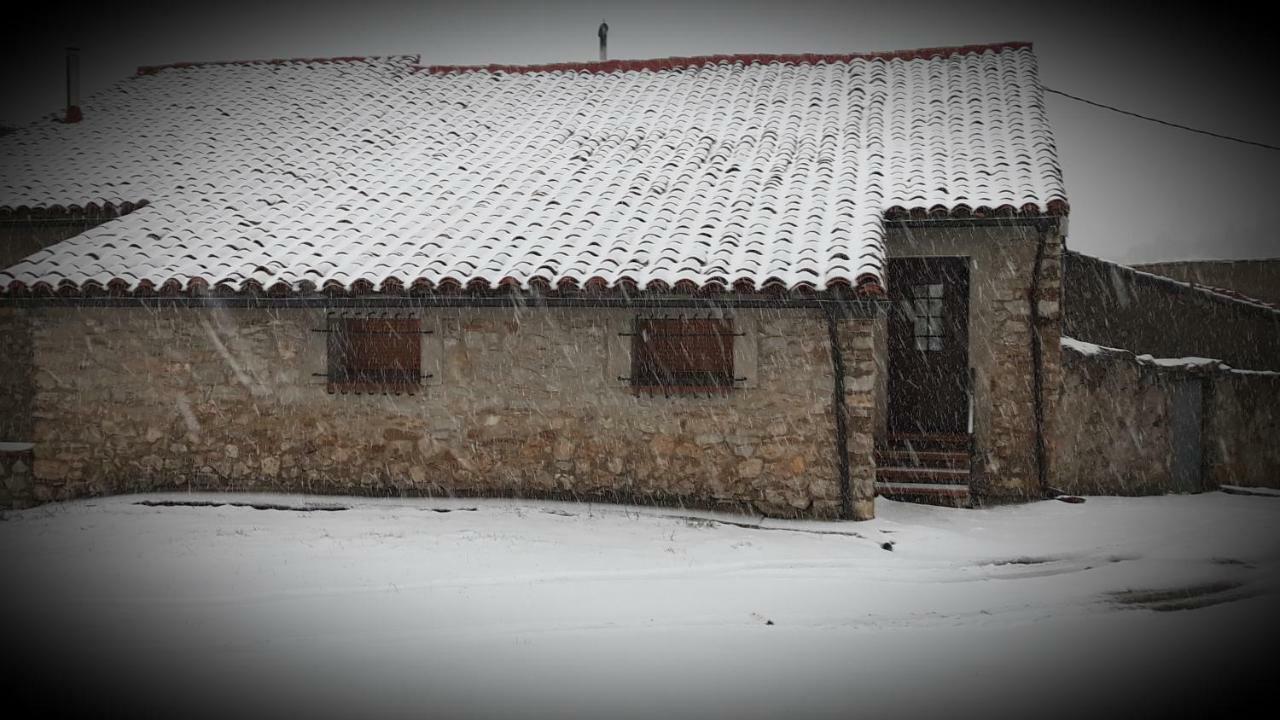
(1132, 424)
(1189, 363)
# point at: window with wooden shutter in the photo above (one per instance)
(374, 354)
(682, 355)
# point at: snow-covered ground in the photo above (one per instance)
(495, 608)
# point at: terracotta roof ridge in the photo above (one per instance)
(678, 63)
(153, 69)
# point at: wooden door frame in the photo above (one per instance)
(894, 410)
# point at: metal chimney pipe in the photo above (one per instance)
(73, 86)
(603, 32)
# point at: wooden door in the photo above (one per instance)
(1185, 405)
(929, 345)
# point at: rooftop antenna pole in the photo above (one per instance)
(73, 86)
(603, 32)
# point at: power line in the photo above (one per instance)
(1162, 122)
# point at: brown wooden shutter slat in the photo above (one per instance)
(688, 354)
(375, 354)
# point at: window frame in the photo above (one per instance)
(652, 336)
(928, 308)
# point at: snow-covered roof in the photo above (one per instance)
(369, 173)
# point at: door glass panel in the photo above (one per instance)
(926, 303)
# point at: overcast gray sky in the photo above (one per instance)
(1138, 191)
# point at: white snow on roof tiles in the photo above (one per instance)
(314, 173)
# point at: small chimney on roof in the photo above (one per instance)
(603, 32)
(73, 86)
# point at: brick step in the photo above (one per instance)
(931, 493)
(924, 458)
(929, 442)
(940, 476)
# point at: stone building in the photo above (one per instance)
(780, 284)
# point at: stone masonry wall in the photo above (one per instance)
(17, 384)
(1242, 433)
(1116, 432)
(1113, 435)
(1001, 260)
(522, 402)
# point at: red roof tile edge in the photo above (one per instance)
(153, 69)
(866, 285)
(679, 63)
(1054, 208)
